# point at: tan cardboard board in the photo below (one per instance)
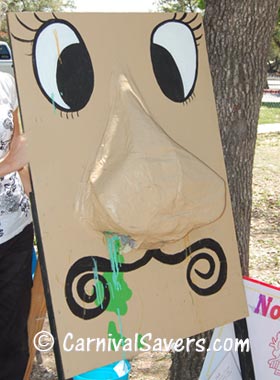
(126, 147)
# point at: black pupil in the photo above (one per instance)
(167, 73)
(74, 76)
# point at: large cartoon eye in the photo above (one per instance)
(62, 65)
(174, 58)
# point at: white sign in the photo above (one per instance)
(264, 335)
(228, 369)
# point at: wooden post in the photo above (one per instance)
(36, 317)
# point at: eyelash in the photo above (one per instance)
(36, 32)
(46, 23)
(193, 29)
(43, 22)
(189, 22)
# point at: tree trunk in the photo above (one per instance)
(238, 34)
(187, 366)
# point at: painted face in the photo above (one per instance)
(137, 162)
(124, 140)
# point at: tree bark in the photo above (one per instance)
(238, 34)
(187, 366)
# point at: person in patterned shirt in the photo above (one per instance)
(16, 238)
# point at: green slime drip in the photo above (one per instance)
(98, 285)
(120, 293)
(117, 337)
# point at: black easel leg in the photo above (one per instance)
(245, 358)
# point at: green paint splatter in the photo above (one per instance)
(119, 296)
(120, 293)
(117, 338)
(139, 344)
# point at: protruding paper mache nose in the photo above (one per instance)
(143, 184)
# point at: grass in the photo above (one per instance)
(269, 113)
(265, 226)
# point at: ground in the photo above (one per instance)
(265, 227)
(264, 252)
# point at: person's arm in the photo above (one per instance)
(23, 172)
(16, 158)
(25, 179)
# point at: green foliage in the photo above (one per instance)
(30, 6)
(180, 5)
(201, 4)
(38, 5)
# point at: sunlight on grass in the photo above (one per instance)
(269, 113)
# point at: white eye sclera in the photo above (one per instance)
(62, 66)
(175, 59)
